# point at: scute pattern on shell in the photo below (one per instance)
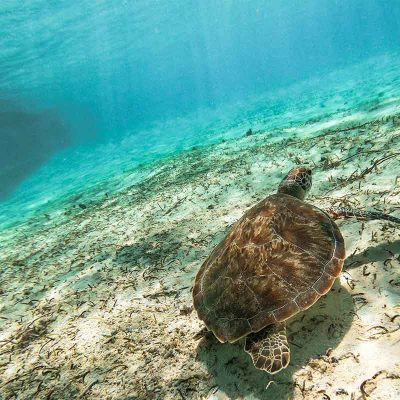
(277, 260)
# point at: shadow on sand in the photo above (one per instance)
(311, 334)
(381, 252)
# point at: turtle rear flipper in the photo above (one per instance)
(344, 212)
(269, 348)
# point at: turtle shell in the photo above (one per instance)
(276, 261)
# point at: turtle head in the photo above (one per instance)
(296, 183)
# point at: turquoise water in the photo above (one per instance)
(133, 134)
(90, 170)
(173, 73)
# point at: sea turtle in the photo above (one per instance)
(276, 261)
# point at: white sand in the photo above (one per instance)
(97, 303)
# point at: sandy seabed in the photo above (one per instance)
(96, 296)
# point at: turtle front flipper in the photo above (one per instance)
(344, 212)
(269, 348)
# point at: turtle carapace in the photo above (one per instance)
(276, 261)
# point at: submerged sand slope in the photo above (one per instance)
(96, 299)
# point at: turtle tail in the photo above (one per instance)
(344, 212)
